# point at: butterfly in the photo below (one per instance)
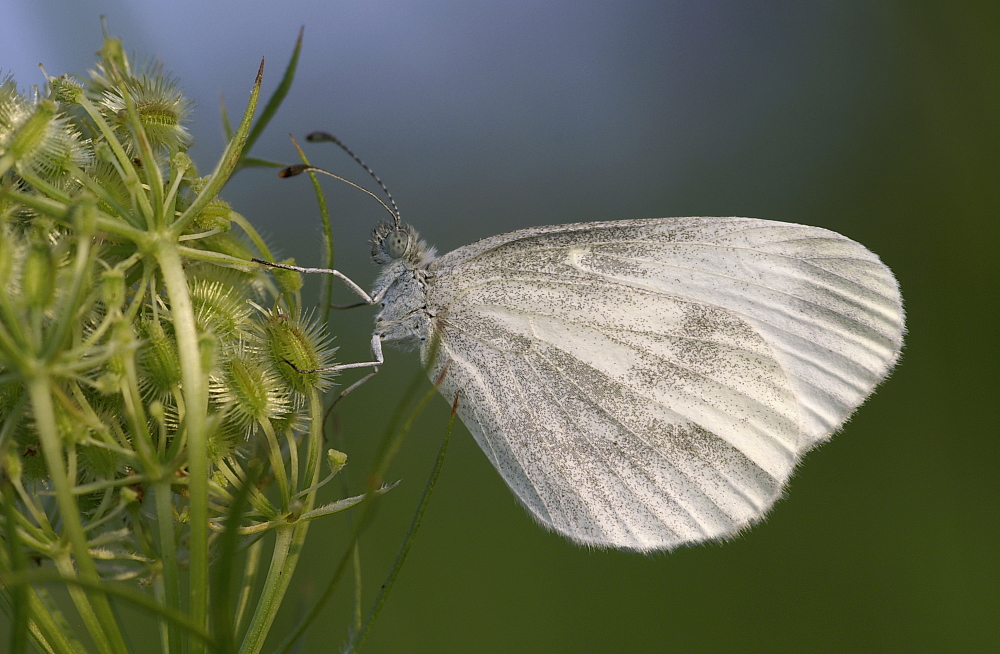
(644, 384)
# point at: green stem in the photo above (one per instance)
(288, 542)
(48, 533)
(277, 463)
(48, 627)
(315, 458)
(168, 557)
(195, 418)
(129, 174)
(64, 564)
(217, 258)
(63, 214)
(390, 444)
(275, 585)
(154, 180)
(223, 621)
(97, 612)
(67, 319)
(326, 294)
(278, 96)
(18, 562)
(159, 594)
(250, 570)
(102, 194)
(135, 598)
(257, 499)
(258, 241)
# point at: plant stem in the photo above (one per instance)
(168, 556)
(195, 413)
(275, 584)
(97, 612)
(288, 541)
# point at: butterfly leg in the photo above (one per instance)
(353, 386)
(348, 282)
(376, 354)
(366, 300)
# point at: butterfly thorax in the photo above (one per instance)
(401, 285)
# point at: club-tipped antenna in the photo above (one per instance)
(298, 169)
(321, 136)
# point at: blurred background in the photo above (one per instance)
(877, 119)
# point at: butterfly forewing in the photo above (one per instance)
(645, 384)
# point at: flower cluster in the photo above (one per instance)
(148, 371)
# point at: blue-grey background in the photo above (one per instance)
(877, 119)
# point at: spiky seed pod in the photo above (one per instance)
(71, 430)
(120, 331)
(215, 215)
(28, 451)
(13, 249)
(111, 67)
(162, 108)
(336, 460)
(302, 343)
(223, 442)
(11, 394)
(158, 360)
(113, 289)
(248, 390)
(42, 140)
(109, 178)
(66, 90)
(38, 277)
(14, 111)
(294, 419)
(220, 307)
(96, 462)
(12, 104)
(123, 343)
(289, 281)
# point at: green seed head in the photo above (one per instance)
(66, 90)
(44, 142)
(160, 106)
(215, 215)
(336, 460)
(113, 289)
(248, 390)
(38, 276)
(301, 343)
(290, 281)
(220, 306)
(160, 365)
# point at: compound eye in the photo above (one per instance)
(396, 243)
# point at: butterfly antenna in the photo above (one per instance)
(320, 137)
(298, 169)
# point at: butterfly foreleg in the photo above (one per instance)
(348, 282)
(376, 354)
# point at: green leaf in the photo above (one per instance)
(274, 102)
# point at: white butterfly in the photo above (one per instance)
(645, 384)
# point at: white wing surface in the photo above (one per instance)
(651, 383)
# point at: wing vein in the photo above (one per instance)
(612, 418)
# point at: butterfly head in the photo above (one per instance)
(398, 242)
